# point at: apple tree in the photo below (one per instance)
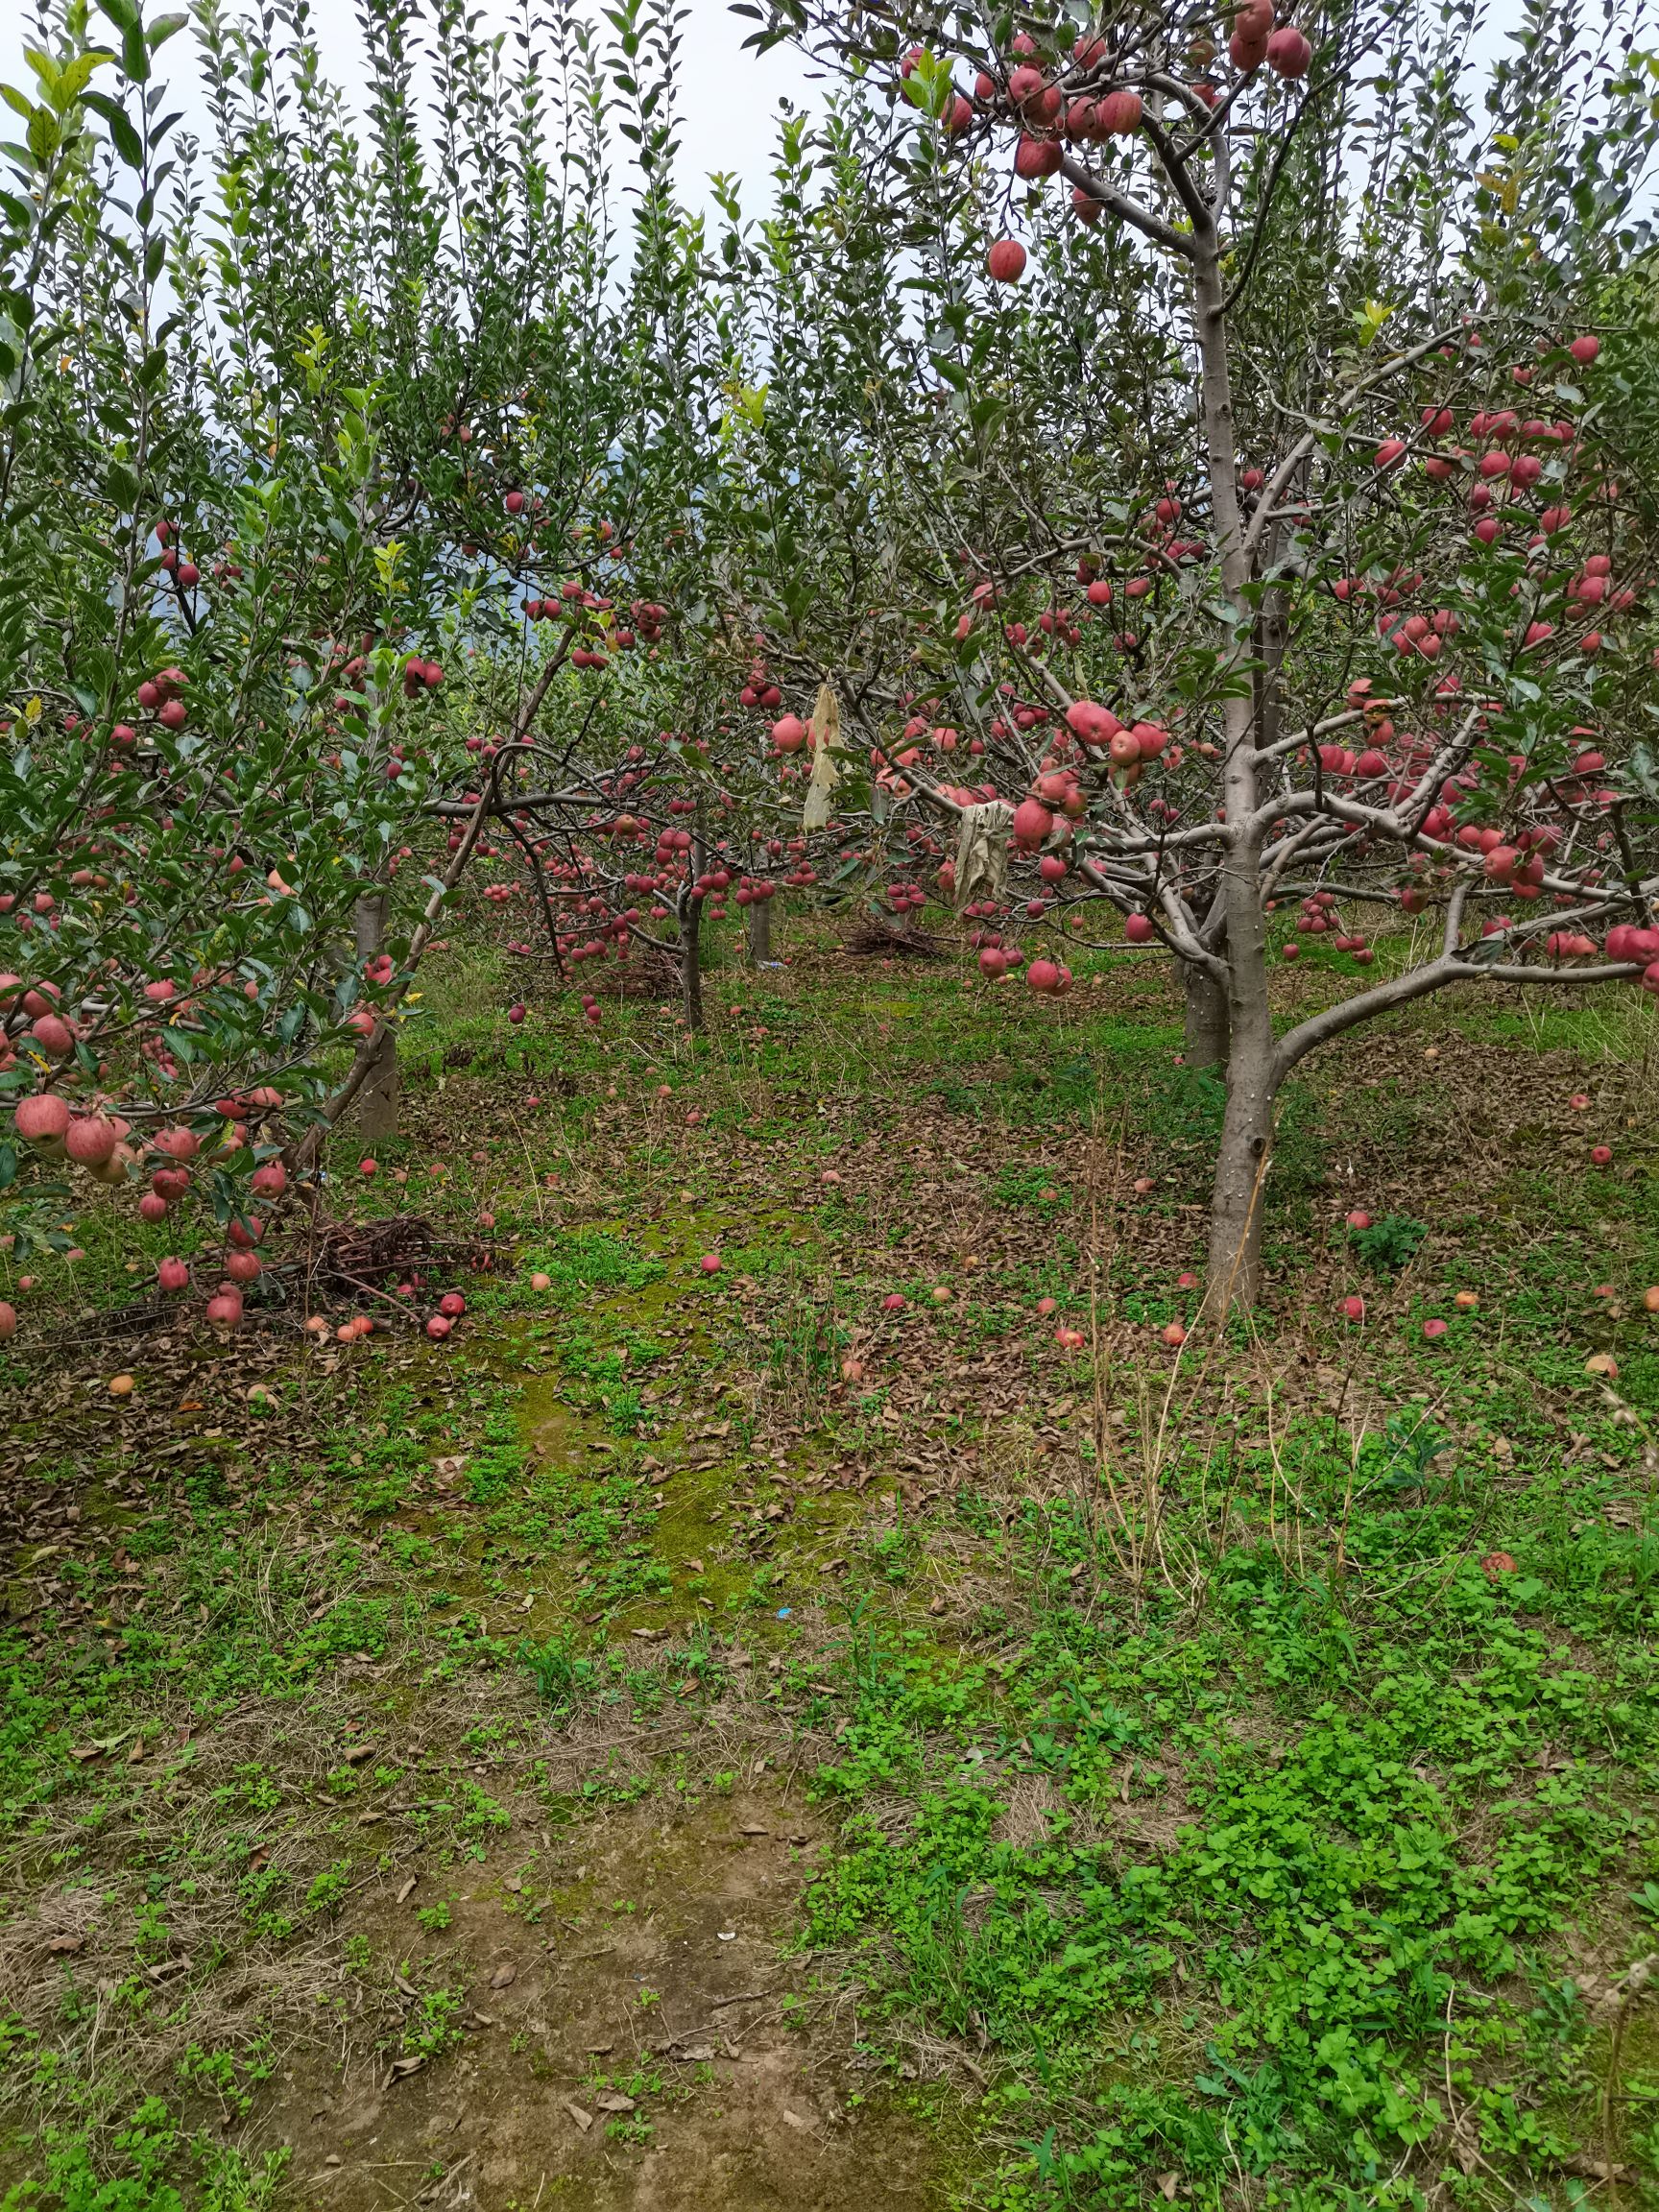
(1297, 567)
(254, 465)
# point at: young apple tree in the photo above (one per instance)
(1297, 566)
(187, 827)
(251, 499)
(680, 766)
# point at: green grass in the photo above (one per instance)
(1272, 1987)
(1218, 1805)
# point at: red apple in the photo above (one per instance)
(89, 1140)
(53, 1035)
(1119, 113)
(42, 1119)
(1032, 824)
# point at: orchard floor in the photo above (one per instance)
(712, 1739)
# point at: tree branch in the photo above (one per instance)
(1128, 210)
(1419, 983)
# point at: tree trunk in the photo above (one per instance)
(379, 1099)
(689, 912)
(759, 932)
(1232, 1276)
(1234, 1273)
(691, 962)
(1207, 1026)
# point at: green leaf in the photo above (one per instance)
(74, 77)
(45, 134)
(122, 136)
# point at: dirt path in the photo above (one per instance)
(632, 2040)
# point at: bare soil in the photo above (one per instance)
(576, 2009)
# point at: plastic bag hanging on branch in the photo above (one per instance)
(824, 736)
(982, 853)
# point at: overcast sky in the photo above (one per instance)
(728, 98)
(728, 104)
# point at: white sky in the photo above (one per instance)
(728, 101)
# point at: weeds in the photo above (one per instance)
(1389, 1245)
(1231, 1763)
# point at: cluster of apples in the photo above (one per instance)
(1319, 918)
(1053, 105)
(97, 1140)
(451, 1307)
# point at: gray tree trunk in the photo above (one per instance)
(760, 918)
(379, 1098)
(1234, 1273)
(1234, 1270)
(691, 960)
(689, 912)
(1206, 1026)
